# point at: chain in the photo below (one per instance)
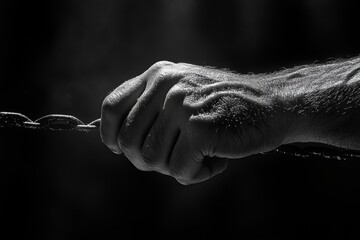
(56, 122)
(60, 122)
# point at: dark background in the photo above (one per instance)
(65, 56)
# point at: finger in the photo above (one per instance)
(163, 135)
(141, 119)
(185, 161)
(160, 142)
(135, 127)
(115, 108)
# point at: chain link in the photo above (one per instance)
(55, 122)
(60, 122)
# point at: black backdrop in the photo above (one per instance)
(65, 56)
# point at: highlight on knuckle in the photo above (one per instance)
(161, 64)
(160, 70)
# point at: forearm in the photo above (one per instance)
(321, 102)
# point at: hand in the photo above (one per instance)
(172, 116)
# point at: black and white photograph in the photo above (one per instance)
(179, 119)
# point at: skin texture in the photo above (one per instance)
(324, 103)
(173, 117)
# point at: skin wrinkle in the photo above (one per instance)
(202, 102)
(210, 100)
(230, 114)
(321, 84)
(194, 82)
(200, 96)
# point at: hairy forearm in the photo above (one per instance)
(321, 102)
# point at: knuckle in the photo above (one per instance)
(160, 70)
(162, 75)
(176, 92)
(158, 79)
(199, 128)
(160, 64)
(175, 97)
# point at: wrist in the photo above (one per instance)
(295, 120)
(318, 103)
(320, 115)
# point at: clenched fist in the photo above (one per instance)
(173, 116)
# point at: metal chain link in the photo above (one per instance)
(60, 122)
(55, 122)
